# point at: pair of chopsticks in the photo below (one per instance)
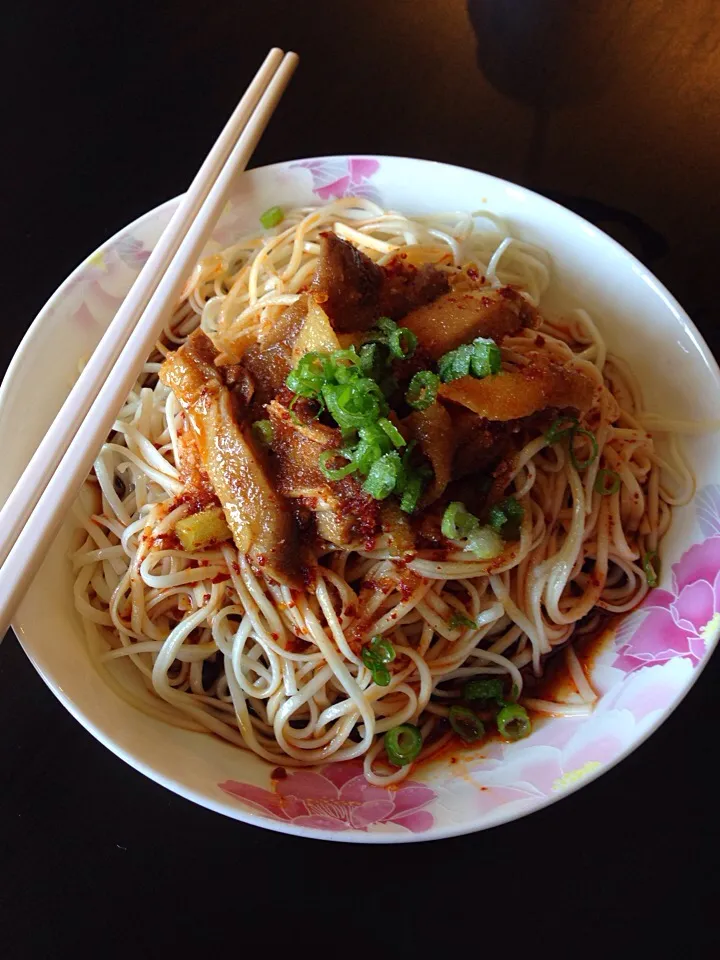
(45, 492)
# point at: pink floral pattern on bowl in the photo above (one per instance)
(336, 177)
(685, 620)
(337, 797)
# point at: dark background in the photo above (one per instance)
(611, 107)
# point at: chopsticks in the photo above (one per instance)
(47, 488)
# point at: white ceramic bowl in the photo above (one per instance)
(641, 676)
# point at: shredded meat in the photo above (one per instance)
(353, 291)
(259, 517)
(460, 316)
(520, 393)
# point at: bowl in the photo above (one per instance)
(641, 672)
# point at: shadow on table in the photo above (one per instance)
(551, 54)
(546, 53)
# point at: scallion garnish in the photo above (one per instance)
(570, 427)
(455, 363)
(651, 568)
(263, 431)
(403, 744)
(486, 358)
(504, 512)
(380, 673)
(386, 325)
(481, 358)
(310, 375)
(402, 343)
(484, 688)
(412, 493)
(355, 403)
(422, 390)
(336, 473)
(607, 482)
(383, 476)
(457, 521)
(382, 648)
(465, 724)
(583, 464)
(485, 543)
(513, 723)
(459, 619)
(560, 428)
(392, 432)
(272, 217)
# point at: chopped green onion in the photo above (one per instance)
(457, 522)
(373, 443)
(513, 723)
(481, 358)
(484, 688)
(263, 432)
(382, 649)
(514, 692)
(386, 325)
(337, 473)
(383, 476)
(403, 744)
(465, 724)
(560, 427)
(506, 511)
(371, 360)
(402, 343)
(309, 376)
(651, 568)
(272, 217)
(396, 438)
(422, 390)
(581, 465)
(459, 619)
(380, 673)
(455, 363)
(345, 365)
(607, 482)
(486, 358)
(412, 493)
(485, 543)
(354, 404)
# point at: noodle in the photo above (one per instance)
(214, 642)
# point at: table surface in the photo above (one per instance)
(610, 107)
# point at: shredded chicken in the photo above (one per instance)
(258, 516)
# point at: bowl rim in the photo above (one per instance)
(497, 817)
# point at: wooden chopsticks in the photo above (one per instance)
(46, 490)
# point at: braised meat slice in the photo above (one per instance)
(513, 394)
(259, 517)
(353, 291)
(460, 316)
